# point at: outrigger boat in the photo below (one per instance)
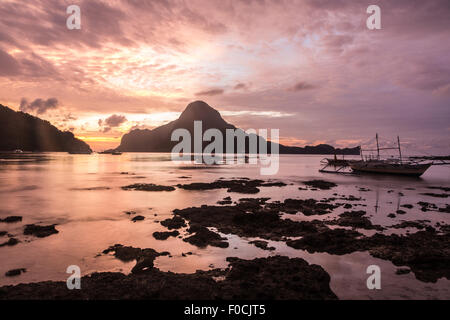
(389, 166)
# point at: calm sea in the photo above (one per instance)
(82, 194)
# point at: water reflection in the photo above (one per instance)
(82, 194)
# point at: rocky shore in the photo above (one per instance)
(264, 278)
(425, 252)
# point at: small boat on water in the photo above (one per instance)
(79, 152)
(337, 162)
(112, 152)
(389, 166)
(18, 151)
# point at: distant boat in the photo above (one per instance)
(389, 166)
(18, 151)
(79, 152)
(110, 151)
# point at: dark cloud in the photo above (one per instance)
(300, 86)
(240, 86)
(115, 120)
(39, 105)
(211, 92)
(8, 65)
(69, 117)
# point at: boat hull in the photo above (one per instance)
(338, 162)
(415, 170)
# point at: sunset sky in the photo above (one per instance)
(310, 68)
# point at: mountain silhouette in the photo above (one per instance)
(159, 139)
(19, 130)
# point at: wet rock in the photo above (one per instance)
(445, 209)
(408, 206)
(401, 271)
(165, 235)
(333, 241)
(409, 224)
(15, 272)
(308, 207)
(224, 202)
(3, 233)
(274, 184)
(401, 212)
(148, 187)
(249, 204)
(137, 218)
(203, 237)
(10, 242)
(130, 212)
(320, 184)
(144, 257)
(11, 219)
(445, 228)
(40, 231)
(273, 278)
(235, 185)
(426, 253)
(91, 189)
(356, 219)
(347, 206)
(247, 219)
(446, 189)
(174, 223)
(391, 215)
(436, 195)
(292, 278)
(426, 206)
(262, 244)
(351, 198)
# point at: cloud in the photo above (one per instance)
(112, 121)
(39, 105)
(155, 55)
(115, 120)
(300, 86)
(240, 86)
(8, 65)
(211, 92)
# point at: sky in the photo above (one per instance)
(310, 68)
